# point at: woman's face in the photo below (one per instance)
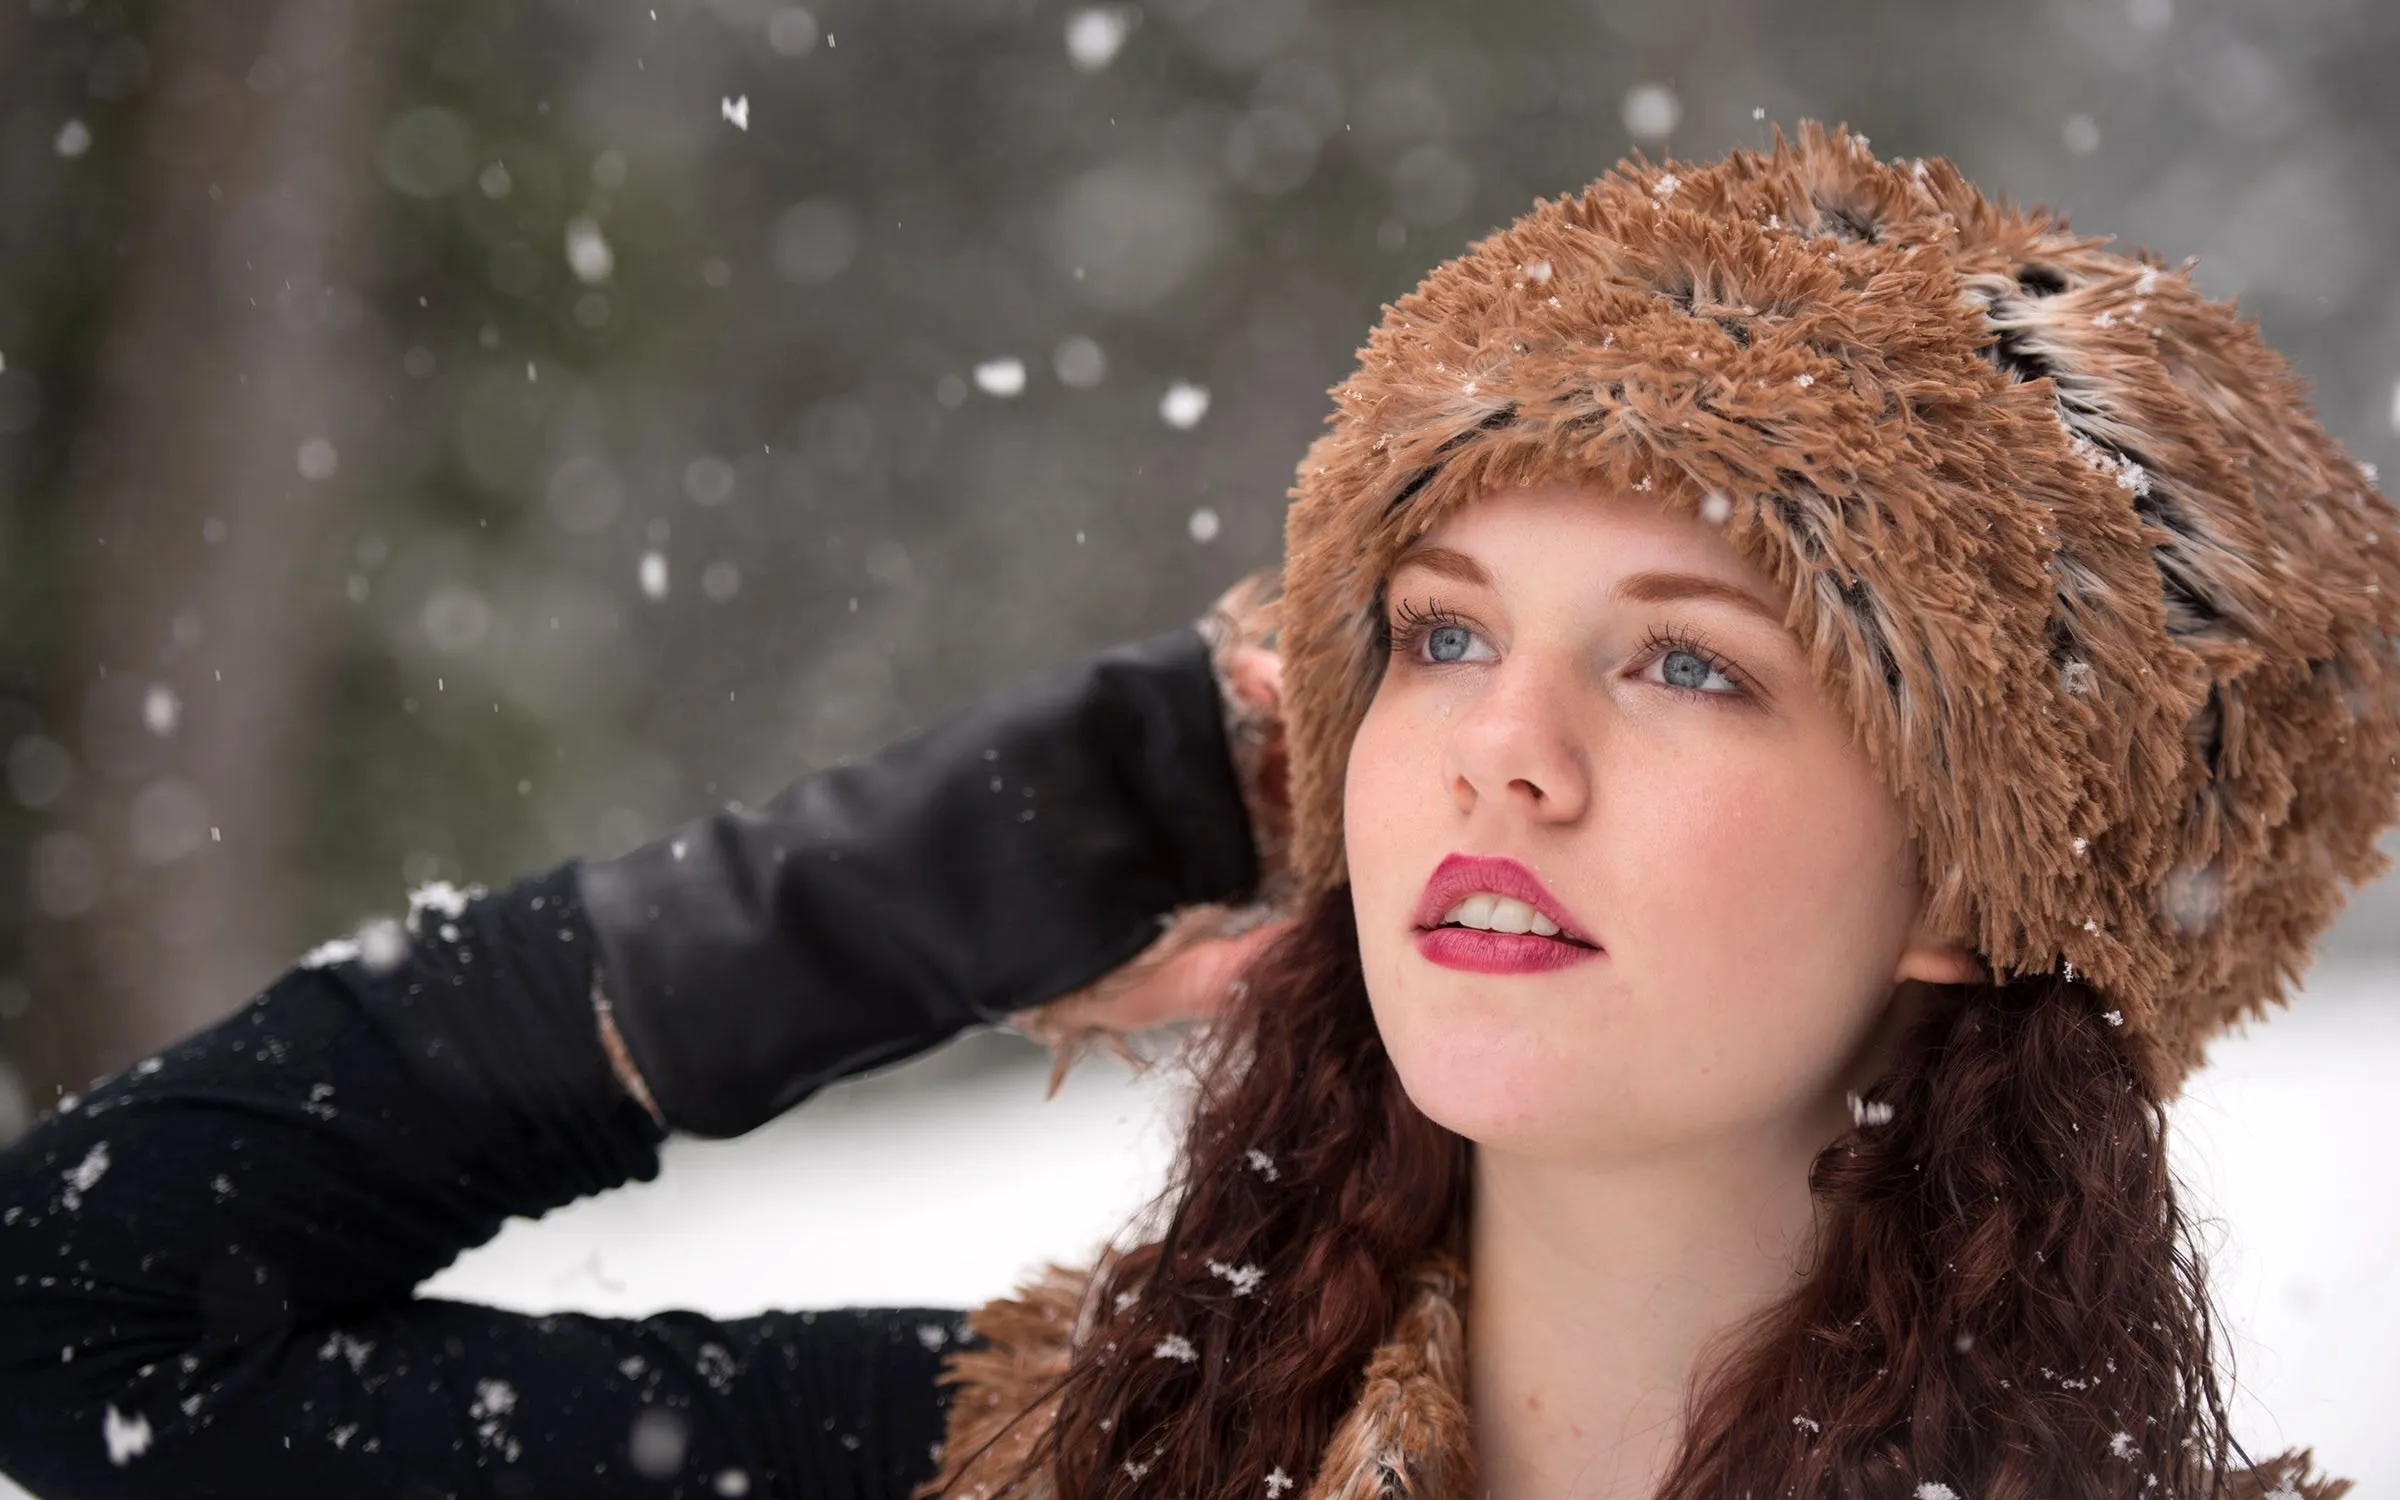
(1606, 695)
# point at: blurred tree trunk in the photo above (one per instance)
(234, 391)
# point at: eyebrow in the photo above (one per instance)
(1650, 586)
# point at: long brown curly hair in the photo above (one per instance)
(2006, 1295)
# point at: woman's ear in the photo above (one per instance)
(1942, 963)
(1934, 959)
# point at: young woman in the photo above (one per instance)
(1810, 696)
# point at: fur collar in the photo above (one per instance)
(1407, 1437)
(1408, 1434)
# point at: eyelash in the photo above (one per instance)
(1405, 635)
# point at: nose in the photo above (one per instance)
(1514, 745)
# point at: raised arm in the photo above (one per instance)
(208, 1264)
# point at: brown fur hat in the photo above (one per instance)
(2113, 614)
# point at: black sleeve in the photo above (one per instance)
(208, 1264)
(1016, 850)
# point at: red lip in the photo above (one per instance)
(1461, 875)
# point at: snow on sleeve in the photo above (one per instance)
(85, 1175)
(442, 899)
(127, 1438)
(333, 951)
(494, 1400)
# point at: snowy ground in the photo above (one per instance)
(936, 1185)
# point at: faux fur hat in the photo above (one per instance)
(2113, 614)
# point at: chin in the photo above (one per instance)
(1491, 1066)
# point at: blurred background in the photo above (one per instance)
(437, 439)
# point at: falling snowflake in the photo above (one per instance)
(1183, 405)
(1096, 34)
(1715, 508)
(1866, 1112)
(652, 574)
(1650, 111)
(1204, 524)
(737, 111)
(382, 944)
(161, 709)
(1003, 377)
(588, 254)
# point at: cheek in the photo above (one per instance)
(1765, 900)
(1766, 865)
(1393, 813)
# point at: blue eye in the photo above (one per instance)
(1687, 666)
(1686, 669)
(1432, 635)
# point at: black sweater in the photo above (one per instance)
(208, 1265)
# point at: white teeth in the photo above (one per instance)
(1498, 914)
